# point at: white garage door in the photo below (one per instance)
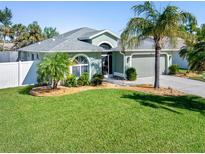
(144, 65)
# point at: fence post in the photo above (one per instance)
(19, 73)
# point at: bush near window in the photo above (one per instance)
(131, 74)
(83, 79)
(71, 81)
(53, 68)
(97, 79)
(173, 69)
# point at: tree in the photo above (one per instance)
(201, 33)
(195, 55)
(53, 68)
(5, 20)
(34, 33)
(19, 31)
(50, 32)
(157, 25)
(190, 24)
(27, 35)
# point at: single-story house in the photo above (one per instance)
(98, 51)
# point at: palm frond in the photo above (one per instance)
(189, 21)
(146, 10)
(136, 30)
(5, 16)
(170, 25)
(184, 52)
(195, 55)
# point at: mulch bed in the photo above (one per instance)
(187, 75)
(61, 90)
(147, 88)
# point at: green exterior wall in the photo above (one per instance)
(118, 62)
(106, 37)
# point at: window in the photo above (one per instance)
(81, 66)
(105, 46)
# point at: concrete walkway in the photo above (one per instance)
(182, 84)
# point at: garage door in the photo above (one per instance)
(144, 65)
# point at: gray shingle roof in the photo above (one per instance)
(74, 41)
(67, 42)
(88, 34)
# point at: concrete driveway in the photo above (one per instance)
(185, 85)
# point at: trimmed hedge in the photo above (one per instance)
(71, 81)
(173, 69)
(83, 79)
(131, 74)
(97, 79)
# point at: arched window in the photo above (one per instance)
(105, 46)
(80, 65)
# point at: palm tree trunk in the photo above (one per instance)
(157, 64)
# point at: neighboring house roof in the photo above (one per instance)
(149, 45)
(68, 42)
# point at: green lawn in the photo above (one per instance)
(101, 121)
(181, 70)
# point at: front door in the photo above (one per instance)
(107, 64)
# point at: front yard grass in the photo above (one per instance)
(108, 120)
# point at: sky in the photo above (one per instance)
(69, 15)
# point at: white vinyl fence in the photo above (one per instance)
(13, 74)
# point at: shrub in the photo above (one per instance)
(83, 79)
(97, 79)
(42, 79)
(53, 68)
(71, 81)
(173, 69)
(131, 74)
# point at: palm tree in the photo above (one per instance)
(195, 55)
(201, 33)
(28, 35)
(157, 25)
(53, 68)
(50, 32)
(5, 20)
(19, 31)
(34, 33)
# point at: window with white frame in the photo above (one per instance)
(80, 66)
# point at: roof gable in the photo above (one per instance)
(91, 35)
